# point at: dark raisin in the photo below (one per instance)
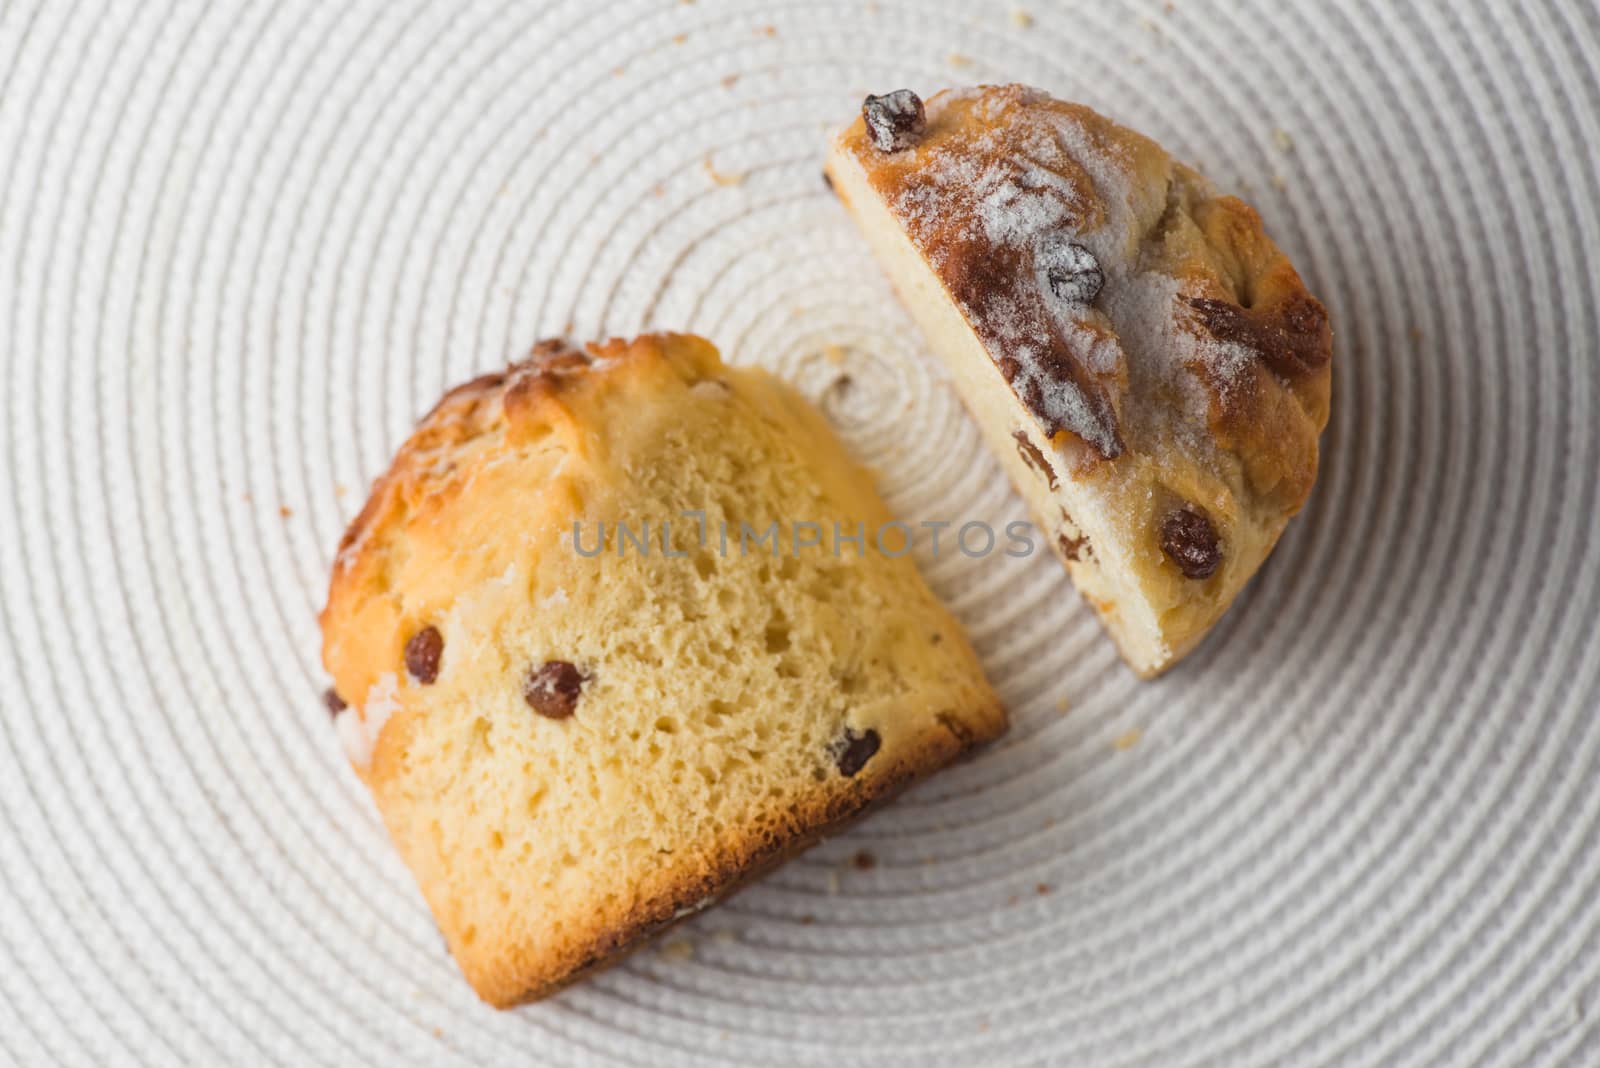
(335, 704)
(1033, 457)
(1190, 540)
(852, 751)
(894, 120)
(827, 180)
(1072, 271)
(552, 689)
(863, 861)
(422, 654)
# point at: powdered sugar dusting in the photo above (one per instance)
(997, 199)
(1038, 221)
(1062, 403)
(1017, 211)
(1162, 349)
(1109, 170)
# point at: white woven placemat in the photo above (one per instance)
(243, 246)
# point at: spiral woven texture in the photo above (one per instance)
(244, 245)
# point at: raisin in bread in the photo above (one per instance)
(1142, 358)
(571, 745)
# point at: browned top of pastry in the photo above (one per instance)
(1127, 303)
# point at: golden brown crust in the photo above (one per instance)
(518, 403)
(454, 411)
(726, 869)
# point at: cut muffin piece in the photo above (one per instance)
(576, 735)
(1142, 358)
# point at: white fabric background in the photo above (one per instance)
(243, 246)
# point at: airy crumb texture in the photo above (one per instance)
(596, 745)
(1132, 343)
